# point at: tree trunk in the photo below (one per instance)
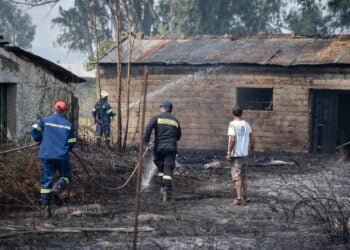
(119, 72)
(127, 97)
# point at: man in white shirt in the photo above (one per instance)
(240, 145)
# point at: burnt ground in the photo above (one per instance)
(304, 205)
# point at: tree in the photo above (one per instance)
(341, 11)
(77, 26)
(256, 16)
(309, 19)
(33, 3)
(103, 49)
(199, 17)
(16, 26)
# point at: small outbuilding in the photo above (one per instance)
(29, 85)
(295, 90)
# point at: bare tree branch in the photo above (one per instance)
(35, 4)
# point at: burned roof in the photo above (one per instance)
(280, 50)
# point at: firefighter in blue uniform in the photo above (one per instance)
(57, 137)
(167, 133)
(102, 114)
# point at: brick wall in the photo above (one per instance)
(203, 98)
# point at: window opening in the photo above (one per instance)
(255, 98)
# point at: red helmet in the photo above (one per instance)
(61, 106)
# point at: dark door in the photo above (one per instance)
(3, 114)
(324, 116)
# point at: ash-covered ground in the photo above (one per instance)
(297, 202)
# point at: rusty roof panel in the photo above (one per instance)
(283, 50)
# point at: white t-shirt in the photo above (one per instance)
(241, 130)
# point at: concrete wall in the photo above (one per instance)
(31, 93)
(204, 96)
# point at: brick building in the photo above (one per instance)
(295, 90)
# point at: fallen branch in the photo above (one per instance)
(263, 163)
(17, 230)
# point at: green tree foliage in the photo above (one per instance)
(77, 25)
(198, 17)
(103, 49)
(341, 10)
(16, 26)
(309, 19)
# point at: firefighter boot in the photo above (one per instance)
(166, 194)
(98, 141)
(56, 194)
(108, 144)
(161, 193)
(46, 210)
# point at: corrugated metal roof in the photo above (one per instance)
(283, 50)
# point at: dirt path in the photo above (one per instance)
(201, 215)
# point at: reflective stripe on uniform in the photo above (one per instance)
(37, 127)
(57, 125)
(45, 190)
(71, 140)
(167, 122)
(94, 110)
(65, 179)
(160, 174)
(167, 177)
(109, 111)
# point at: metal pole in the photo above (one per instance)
(138, 180)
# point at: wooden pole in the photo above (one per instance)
(138, 180)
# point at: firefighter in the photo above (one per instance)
(102, 114)
(167, 133)
(57, 137)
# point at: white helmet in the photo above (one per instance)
(104, 94)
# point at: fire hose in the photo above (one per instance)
(20, 148)
(138, 164)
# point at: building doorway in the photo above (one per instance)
(330, 121)
(3, 114)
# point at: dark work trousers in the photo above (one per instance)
(165, 162)
(48, 169)
(103, 127)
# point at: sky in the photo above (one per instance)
(44, 43)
